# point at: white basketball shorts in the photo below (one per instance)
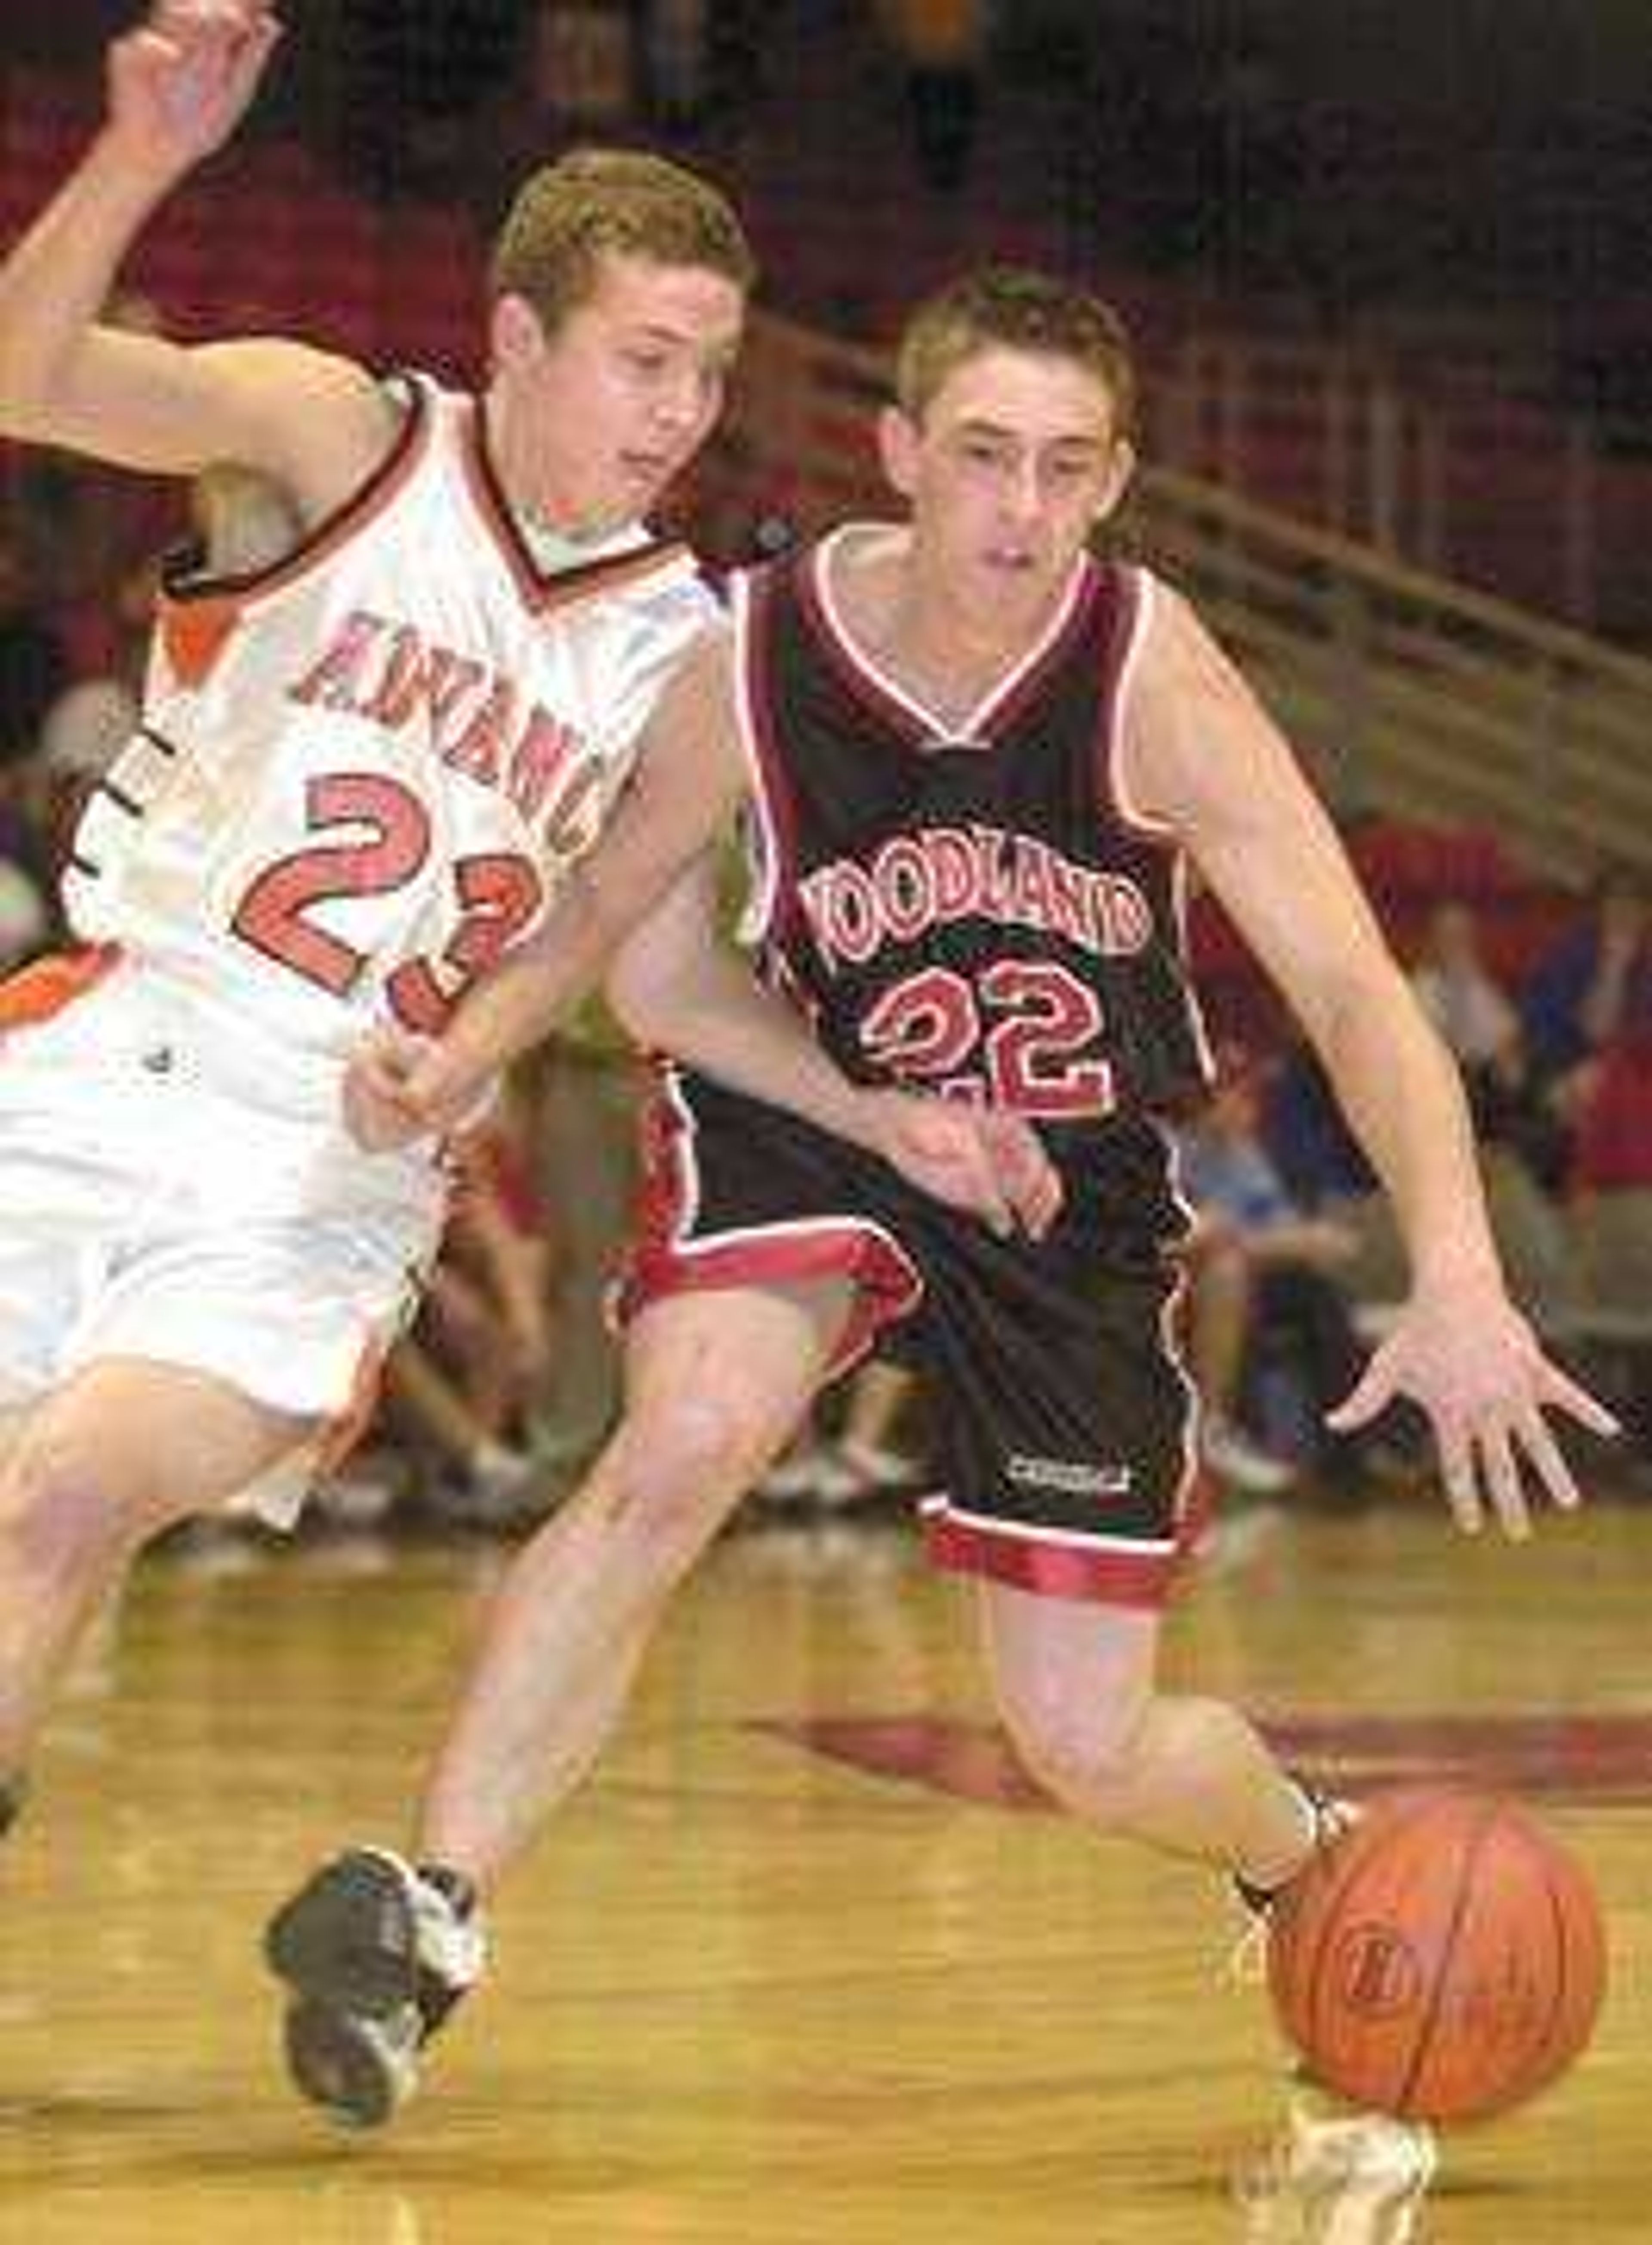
(173, 1188)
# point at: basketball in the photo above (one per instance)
(1444, 1960)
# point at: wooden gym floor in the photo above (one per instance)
(802, 1966)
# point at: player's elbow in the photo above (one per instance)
(25, 391)
(642, 999)
(38, 363)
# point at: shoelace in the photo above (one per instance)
(1247, 1965)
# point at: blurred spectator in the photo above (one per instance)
(878, 1398)
(81, 527)
(1269, 1319)
(943, 45)
(502, 1243)
(25, 845)
(31, 674)
(33, 669)
(862, 1461)
(1477, 1022)
(25, 919)
(582, 1118)
(1317, 1153)
(1482, 1031)
(474, 1374)
(1612, 1187)
(1613, 1149)
(677, 46)
(85, 730)
(87, 726)
(1596, 984)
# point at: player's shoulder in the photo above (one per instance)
(670, 599)
(1170, 616)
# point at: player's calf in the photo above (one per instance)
(376, 1952)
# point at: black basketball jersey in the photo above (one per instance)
(980, 914)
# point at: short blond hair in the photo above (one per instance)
(1012, 308)
(615, 200)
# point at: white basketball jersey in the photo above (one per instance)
(360, 774)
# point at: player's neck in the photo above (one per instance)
(945, 649)
(557, 533)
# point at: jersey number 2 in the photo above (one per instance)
(1029, 1019)
(499, 893)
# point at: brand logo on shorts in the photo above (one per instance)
(1067, 1476)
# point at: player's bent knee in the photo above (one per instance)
(684, 1462)
(61, 1512)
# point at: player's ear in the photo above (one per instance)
(515, 334)
(898, 440)
(1120, 467)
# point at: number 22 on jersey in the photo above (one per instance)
(1026, 1024)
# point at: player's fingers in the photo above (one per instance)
(1564, 1393)
(1456, 1469)
(263, 33)
(394, 1056)
(378, 1085)
(1502, 1474)
(1370, 1394)
(1028, 1182)
(194, 27)
(1031, 1183)
(1548, 1461)
(960, 1143)
(429, 1097)
(988, 1197)
(1046, 1205)
(141, 53)
(944, 1150)
(374, 1123)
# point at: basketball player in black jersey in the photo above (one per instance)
(978, 763)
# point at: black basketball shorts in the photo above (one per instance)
(1065, 1419)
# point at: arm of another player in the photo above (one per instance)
(688, 775)
(177, 87)
(1201, 758)
(678, 986)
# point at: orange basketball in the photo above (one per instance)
(1444, 1960)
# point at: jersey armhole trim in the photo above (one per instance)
(772, 810)
(1114, 785)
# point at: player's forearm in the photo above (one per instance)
(56, 280)
(722, 1020)
(519, 1001)
(518, 1004)
(1400, 1090)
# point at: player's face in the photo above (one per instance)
(607, 411)
(1014, 463)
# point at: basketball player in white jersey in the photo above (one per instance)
(359, 774)
(980, 761)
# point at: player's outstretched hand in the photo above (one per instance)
(399, 1087)
(180, 83)
(979, 1159)
(1464, 1353)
